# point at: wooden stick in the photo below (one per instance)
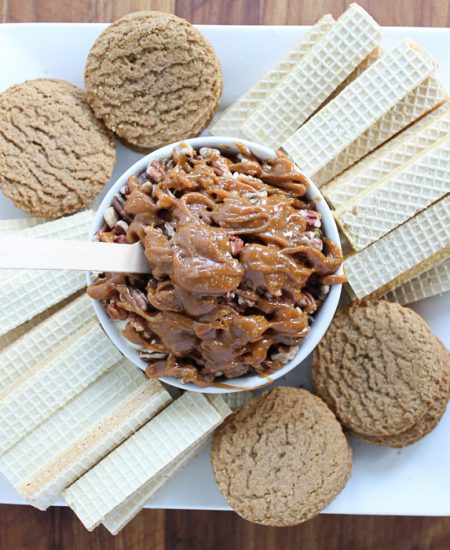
(22, 253)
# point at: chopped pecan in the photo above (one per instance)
(111, 217)
(139, 298)
(236, 244)
(119, 203)
(313, 218)
(115, 311)
(151, 355)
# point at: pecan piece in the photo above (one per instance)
(236, 244)
(115, 311)
(155, 171)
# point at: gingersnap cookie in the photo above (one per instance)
(153, 78)
(428, 422)
(55, 156)
(379, 368)
(425, 425)
(281, 458)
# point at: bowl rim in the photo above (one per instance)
(323, 317)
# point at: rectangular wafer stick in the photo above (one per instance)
(12, 225)
(53, 382)
(373, 56)
(389, 157)
(398, 196)
(143, 456)
(31, 454)
(89, 426)
(235, 400)
(230, 122)
(37, 343)
(359, 106)
(432, 282)
(323, 68)
(24, 294)
(126, 511)
(10, 337)
(418, 103)
(416, 246)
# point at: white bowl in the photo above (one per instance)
(322, 319)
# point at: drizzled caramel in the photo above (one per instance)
(238, 263)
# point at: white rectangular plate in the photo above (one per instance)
(413, 481)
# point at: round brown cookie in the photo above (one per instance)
(427, 423)
(281, 458)
(153, 79)
(378, 368)
(55, 156)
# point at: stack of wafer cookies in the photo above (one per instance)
(403, 148)
(324, 61)
(359, 106)
(230, 123)
(25, 295)
(393, 193)
(383, 373)
(323, 105)
(411, 249)
(67, 397)
(118, 486)
(373, 126)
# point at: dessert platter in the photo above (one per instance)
(282, 350)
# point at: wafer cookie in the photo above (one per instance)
(230, 122)
(128, 415)
(389, 157)
(323, 68)
(71, 227)
(418, 103)
(398, 196)
(23, 293)
(26, 294)
(142, 457)
(89, 426)
(35, 450)
(432, 282)
(17, 332)
(359, 106)
(373, 56)
(53, 382)
(125, 512)
(414, 247)
(12, 225)
(236, 399)
(34, 346)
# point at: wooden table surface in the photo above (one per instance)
(26, 528)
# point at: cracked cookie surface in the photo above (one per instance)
(153, 79)
(428, 422)
(55, 156)
(379, 368)
(281, 458)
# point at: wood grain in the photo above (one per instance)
(424, 13)
(421, 13)
(21, 11)
(25, 528)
